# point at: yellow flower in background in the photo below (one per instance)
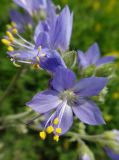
(110, 6)
(113, 53)
(96, 5)
(115, 95)
(98, 27)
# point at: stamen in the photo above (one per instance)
(43, 55)
(42, 135)
(39, 48)
(36, 66)
(10, 49)
(37, 58)
(23, 45)
(62, 112)
(14, 31)
(6, 42)
(10, 36)
(25, 40)
(56, 138)
(13, 24)
(9, 26)
(56, 121)
(15, 64)
(49, 129)
(58, 130)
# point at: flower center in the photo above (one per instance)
(69, 96)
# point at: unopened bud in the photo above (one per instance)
(89, 71)
(85, 153)
(105, 70)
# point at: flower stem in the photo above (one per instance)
(91, 138)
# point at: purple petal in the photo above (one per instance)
(111, 154)
(52, 61)
(42, 40)
(42, 27)
(104, 60)
(88, 113)
(23, 55)
(63, 29)
(90, 86)
(20, 19)
(67, 118)
(93, 54)
(63, 79)
(82, 60)
(44, 101)
(31, 5)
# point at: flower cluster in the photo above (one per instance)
(66, 96)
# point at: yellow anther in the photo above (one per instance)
(39, 48)
(9, 26)
(58, 130)
(16, 65)
(6, 42)
(13, 24)
(42, 135)
(14, 31)
(37, 58)
(36, 66)
(56, 138)
(10, 49)
(49, 129)
(10, 36)
(43, 55)
(56, 121)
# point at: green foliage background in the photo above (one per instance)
(93, 21)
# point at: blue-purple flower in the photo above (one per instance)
(112, 154)
(92, 57)
(65, 97)
(55, 32)
(22, 20)
(32, 6)
(46, 59)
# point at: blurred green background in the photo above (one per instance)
(94, 20)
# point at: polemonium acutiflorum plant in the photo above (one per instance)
(69, 102)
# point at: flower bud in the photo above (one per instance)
(89, 71)
(85, 153)
(70, 58)
(105, 70)
(112, 135)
